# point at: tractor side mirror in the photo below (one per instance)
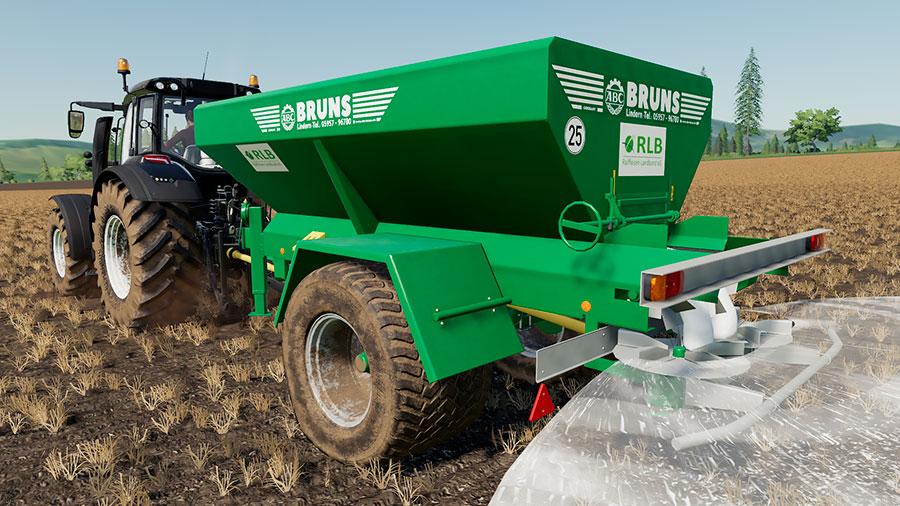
(76, 123)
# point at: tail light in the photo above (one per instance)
(815, 242)
(666, 286)
(156, 159)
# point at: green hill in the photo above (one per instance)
(885, 135)
(23, 157)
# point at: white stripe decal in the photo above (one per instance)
(695, 97)
(691, 116)
(566, 84)
(576, 71)
(693, 102)
(375, 102)
(368, 114)
(584, 101)
(369, 109)
(698, 108)
(583, 94)
(269, 108)
(375, 92)
(373, 97)
(579, 79)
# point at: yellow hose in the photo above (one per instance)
(557, 319)
(237, 255)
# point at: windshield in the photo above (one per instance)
(178, 130)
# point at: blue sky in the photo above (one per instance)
(812, 54)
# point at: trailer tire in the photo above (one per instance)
(405, 414)
(71, 277)
(156, 250)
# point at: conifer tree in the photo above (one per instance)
(717, 147)
(872, 143)
(738, 140)
(748, 100)
(44, 173)
(723, 137)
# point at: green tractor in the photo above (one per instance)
(155, 227)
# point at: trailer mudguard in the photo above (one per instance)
(155, 182)
(76, 213)
(453, 305)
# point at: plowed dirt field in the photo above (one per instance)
(94, 414)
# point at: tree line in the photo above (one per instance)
(809, 127)
(72, 169)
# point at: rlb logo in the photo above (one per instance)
(641, 144)
(642, 150)
(259, 154)
(262, 157)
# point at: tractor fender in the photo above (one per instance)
(76, 214)
(154, 182)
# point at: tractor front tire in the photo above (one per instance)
(71, 277)
(357, 384)
(147, 258)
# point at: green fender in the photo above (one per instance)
(453, 304)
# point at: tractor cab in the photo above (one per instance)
(159, 119)
(156, 125)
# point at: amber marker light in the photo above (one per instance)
(666, 286)
(123, 66)
(254, 81)
(586, 306)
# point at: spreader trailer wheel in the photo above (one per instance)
(764, 409)
(357, 384)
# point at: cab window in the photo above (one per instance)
(144, 141)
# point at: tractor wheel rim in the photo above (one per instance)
(115, 251)
(344, 394)
(59, 254)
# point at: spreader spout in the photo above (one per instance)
(767, 406)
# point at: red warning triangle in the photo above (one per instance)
(543, 404)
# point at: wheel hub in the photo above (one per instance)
(341, 387)
(115, 251)
(59, 254)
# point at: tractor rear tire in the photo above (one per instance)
(153, 272)
(387, 409)
(71, 277)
